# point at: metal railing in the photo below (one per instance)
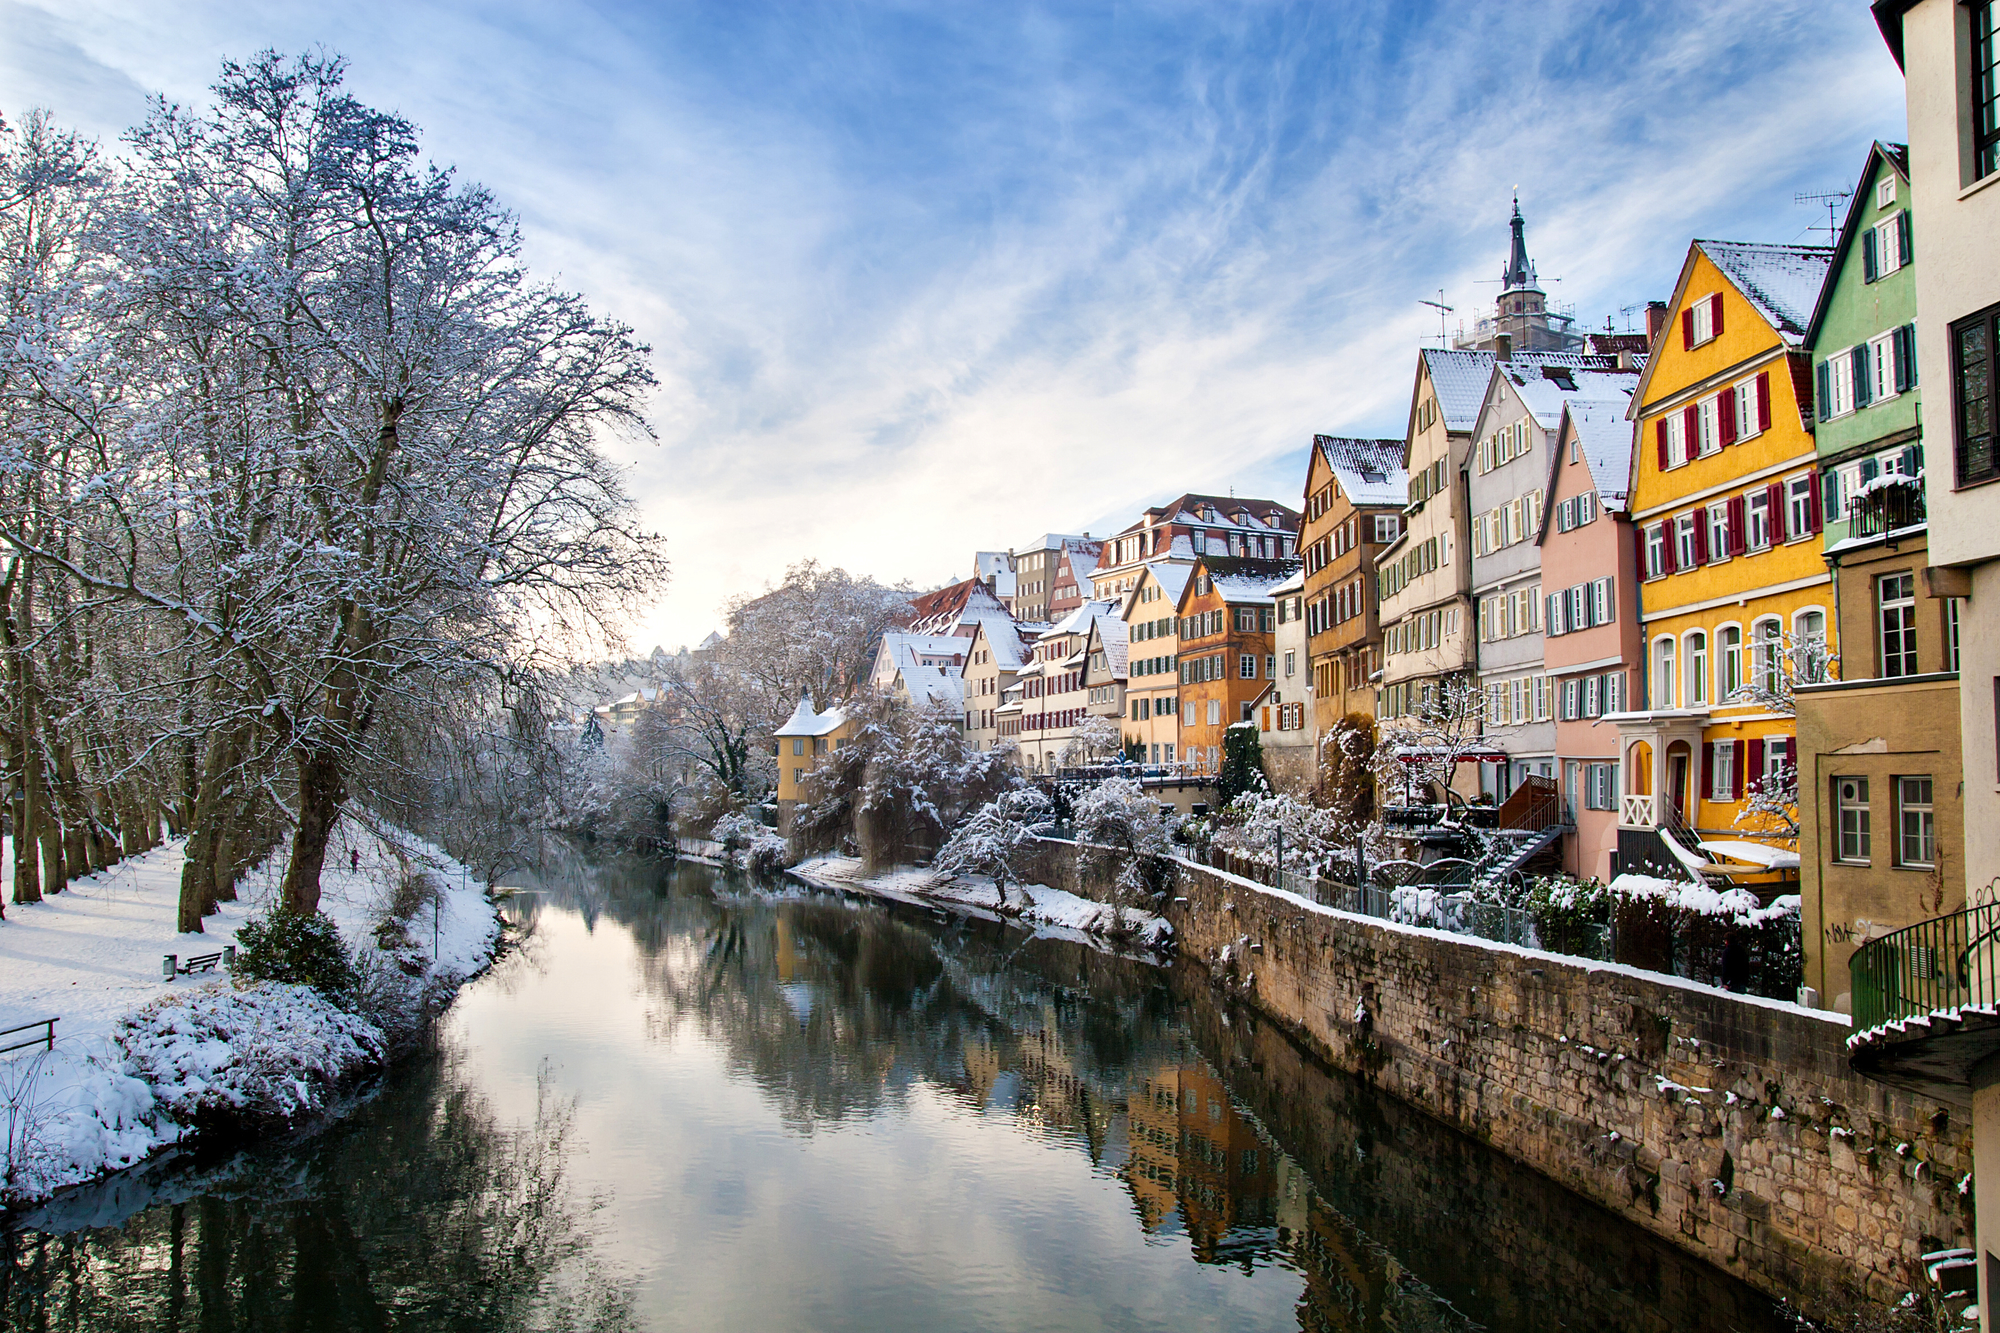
(1442, 909)
(47, 1039)
(1885, 509)
(1948, 962)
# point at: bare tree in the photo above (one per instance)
(1418, 756)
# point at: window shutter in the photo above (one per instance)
(1870, 267)
(1715, 316)
(1660, 438)
(1812, 505)
(1687, 327)
(1691, 429)
(1667, 547)
(1823, 397)
(1792, 752)
(1764, 400)
(1736, 769)
(1707, 772)
(1905, 242)
(1701, 538)
(1639, 544)
(1739, 533)
(1775, 504)
(1864, 377)
(1725, 418)
(1906, 363)
(1756, 761)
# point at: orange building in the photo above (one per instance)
(1228, 626)
(1355, 492)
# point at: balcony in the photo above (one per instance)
(1895, 502)
(1925, 1002)
(1636, 811)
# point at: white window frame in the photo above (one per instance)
(1665, 663)
(1757, 519)
(1694, 652)
(1840, 382)
(1729, 675)
(1888, 247)
(1677, 441)
(1799, 506)
(1708, 415)
(1885, 190)
(1926, 810)
(1882, 365)
(1387, 528)
(1850, 820)
(1745, 395)
(1704, 319)
(1684, 549)
(1722, 763)
(1717, 518)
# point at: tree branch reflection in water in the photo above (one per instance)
(421, 1211)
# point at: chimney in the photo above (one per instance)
(1656, 320)
(1627, 361)
(1503, 346)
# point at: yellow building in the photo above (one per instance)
(1734, 593)
(805, 737)
(1152, 684)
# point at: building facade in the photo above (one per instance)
(1355, 492)
(993, 657)
(1285, 710)
(1227, 650)
(1035, 569)
(1193, 526)
(1734, 592)
(1152, 611)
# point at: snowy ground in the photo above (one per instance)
(1053, 910)
(133, 1047)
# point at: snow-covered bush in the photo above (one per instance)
(1568, 912)
(735, 831)
(68, 1114)
(1094, 740)
(1725, 937)
(1122, 835)
(268, 1051)
(1253, 825)
(301, 948)
(997, 839)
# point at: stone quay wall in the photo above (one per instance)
(1730, 1126)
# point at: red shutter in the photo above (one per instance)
(1700, 537)
(1667, 548)
(1776, 504)
(1639, 541)
(1738, 532)
(1687, 327)
(1725, 417)
(1756, 760)
(1660, 438)
(1736, 769)
(1715, 316)
(1707, 772)
(1764, 400)
(1813, 508)
(1691, 429)
(1792, 753)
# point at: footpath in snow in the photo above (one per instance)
(138, 1058)
(1052, 911)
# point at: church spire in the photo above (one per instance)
(1519, 274)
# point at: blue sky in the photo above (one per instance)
(926, 279)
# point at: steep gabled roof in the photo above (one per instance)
(805, 722)
(1460, 378)
(1781, 281)
(1108, 633)
(1003, 637)
(1370, 472)
(1604, 435)
(1897, 157)
(1248, 582)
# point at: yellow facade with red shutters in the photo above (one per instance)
(1727, 514)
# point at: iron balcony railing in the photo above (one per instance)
(1946, 963)
(1886, 509)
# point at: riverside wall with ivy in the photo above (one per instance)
(1732, 1127)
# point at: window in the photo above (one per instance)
(1729, 645)
(1664, 674)
(1709, 424)
(1801, 509)
(1757, 509)
(1744, 401)
(1270, 666)
(1916, 842)
(1883, 248)
(1809, 634)
(798, 775)
(1896, 600)
(1697, 669)
(1722, 771)
(1656, 551)
(798, 745)
(1214, 712)
(1601, 787)
(1677, 441)
(1703, 323)
(1718, 532)
(1850, 803)
(1387, 528)
(1764, 650)
(1972, 356)
(1836, 385)
(1291, 665)
(1985, 90)
(1685, 555)
(1951, 614)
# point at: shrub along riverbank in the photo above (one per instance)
(314, 1004)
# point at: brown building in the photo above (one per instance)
(1880, 760)
(1355, 491)
(1228, 625)
(1036, 570)
(1192, 527)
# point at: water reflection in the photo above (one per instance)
(797, 1111)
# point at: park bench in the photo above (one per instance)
(171, 965)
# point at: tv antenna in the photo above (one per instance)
(1833, 199)
(1438, 305)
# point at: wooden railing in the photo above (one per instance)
(47, 1039)
(1636, 811)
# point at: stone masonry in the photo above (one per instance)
(1730, 1126)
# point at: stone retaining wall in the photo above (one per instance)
(1730, 1126)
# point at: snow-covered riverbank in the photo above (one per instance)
(1055, 911)
(138, 1058)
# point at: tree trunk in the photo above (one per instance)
(320, 794)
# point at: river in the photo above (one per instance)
(685, 1101)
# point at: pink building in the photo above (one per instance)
(1592, 636)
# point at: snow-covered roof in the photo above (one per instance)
(1109, 634)
(1003, 637)
(943, 685)
(1370, 472)
(804, 721)
(1296, 583)
(1605, 437)
(1250, 589)
(1172, 576)
(1054, 541)
(1460, 378)
(1544, 389)
(1079, 620)
(1082, 560)
(1782, 281)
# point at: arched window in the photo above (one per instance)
(1809, 636)
(1729, 666)
(1765, 648)
(1697, 669)
(1664, 674)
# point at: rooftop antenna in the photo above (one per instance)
(1833, 199)
(1443, 310)
(1626, 311)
